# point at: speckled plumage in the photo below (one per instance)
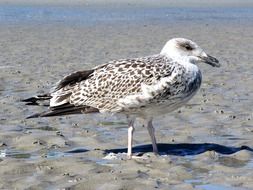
(108, 85)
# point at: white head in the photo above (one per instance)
(184, 49)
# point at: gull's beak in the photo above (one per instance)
(210, 60)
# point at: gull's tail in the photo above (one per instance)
(59, 110)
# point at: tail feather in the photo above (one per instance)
(66, 109)
(35, 100)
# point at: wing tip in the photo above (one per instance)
(34, 116)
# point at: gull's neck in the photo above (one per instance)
(185, 61)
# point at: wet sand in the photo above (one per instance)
(204, 145)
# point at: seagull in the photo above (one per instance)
(143, 87)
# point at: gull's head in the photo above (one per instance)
(184, 49)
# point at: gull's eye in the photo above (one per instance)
(188, 47)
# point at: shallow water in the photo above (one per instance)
(97, 14)
(205, 145)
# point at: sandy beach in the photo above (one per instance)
(206, 145)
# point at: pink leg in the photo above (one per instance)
(151, 132)
(130, 139)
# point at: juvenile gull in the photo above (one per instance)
(141, 87)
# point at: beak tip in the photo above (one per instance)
(212, 61)
(218, 65)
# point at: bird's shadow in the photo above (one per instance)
(182, 149)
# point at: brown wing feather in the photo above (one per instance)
(118, 79)
(73, 78)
